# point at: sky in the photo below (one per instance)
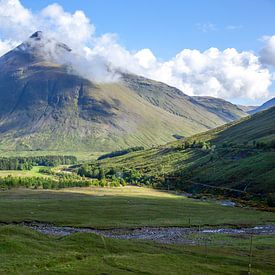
(203, 47)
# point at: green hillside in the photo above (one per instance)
(237, 158)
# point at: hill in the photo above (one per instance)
(270, 103)
(45, 105)
(246, 109)
(236, 158)
(224, 109)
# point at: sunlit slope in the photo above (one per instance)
(238, 155)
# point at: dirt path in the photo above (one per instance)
(161, 235)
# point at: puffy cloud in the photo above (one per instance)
(268, 52)
(16, 22)
(145, 58)
(75, 28)
(228, 74)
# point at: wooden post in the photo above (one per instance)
(206, 250)
(250, 255)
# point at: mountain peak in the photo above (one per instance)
(37, 35)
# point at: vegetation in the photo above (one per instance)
(26, 163)
(63, 181)
(36, 172)
(80, 155)
(121, 152)
(98, 207)
(233, 160)
(26, 251)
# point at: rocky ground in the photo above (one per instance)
(172, 235)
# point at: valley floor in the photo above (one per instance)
(23, 250)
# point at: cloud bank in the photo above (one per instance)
(227, 74)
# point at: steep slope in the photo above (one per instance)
(45, 105)
(266, 105)
(224, 109)
(176, 102)
(237, 156)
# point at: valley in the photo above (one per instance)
(132, 175)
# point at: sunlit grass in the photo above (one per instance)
(121, 207)
(34, 172)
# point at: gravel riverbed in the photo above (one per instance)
(170, 235)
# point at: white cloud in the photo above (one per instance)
(75, 28)
(6, 45)
(145, 58)
(268, 52)
(16, 22)
(206, 27)
(234, 27)
(228, 74)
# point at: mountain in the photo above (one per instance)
(46, 105)
(266, 105)
(237, 157)
(246, 109)
(224, 109)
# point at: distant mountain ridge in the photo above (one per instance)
(44, 105)
(270, 103)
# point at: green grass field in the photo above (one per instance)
(120, 207)
(24, 251)
(34, 172)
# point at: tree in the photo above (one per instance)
(101, 175)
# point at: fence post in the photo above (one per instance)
(206, 250)
(250, 255)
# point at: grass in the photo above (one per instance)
(25, 251)
(120, 207)
(34, 172)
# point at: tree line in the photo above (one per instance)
(121, 152)
(26, 163)
(10, 182)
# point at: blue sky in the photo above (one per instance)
(217, 48)
(166, 27)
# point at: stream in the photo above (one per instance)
(166, 235)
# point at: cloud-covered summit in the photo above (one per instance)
(221, 73)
